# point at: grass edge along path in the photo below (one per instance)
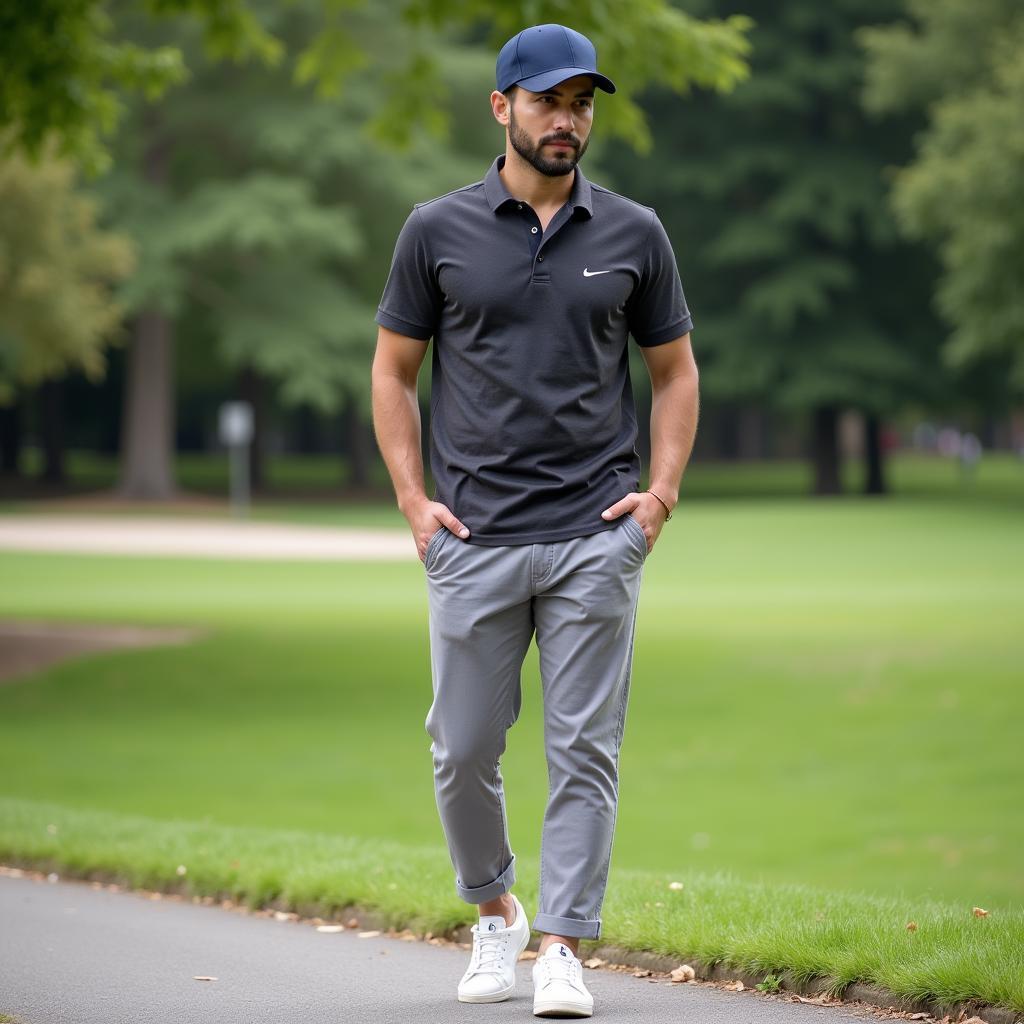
(795, 933)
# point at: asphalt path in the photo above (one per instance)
(75, 953)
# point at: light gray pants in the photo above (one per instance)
(580, 596)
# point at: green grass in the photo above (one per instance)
(826, 694)
(715, 918)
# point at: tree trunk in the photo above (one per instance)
(147, 431)
(51, 426)
(826, 450)
(749, 433)
(252, 389)
(147, 434)
(358, 441)
(10, 439)
(874, 456)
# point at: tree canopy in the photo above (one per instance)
(68, 64)
(959, 63)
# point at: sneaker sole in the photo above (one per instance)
(499, 997)
(561, 1008)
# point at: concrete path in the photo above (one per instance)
(201, 538)
(77, 953)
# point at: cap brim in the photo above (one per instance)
(538, 83)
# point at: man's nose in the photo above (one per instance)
(564, 121)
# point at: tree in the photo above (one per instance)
(265, 219)
(804, 298)
(75, 68)
(57, 275)
(960, 65)
(67, 64)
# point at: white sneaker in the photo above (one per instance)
(558, 989)
(491, 975)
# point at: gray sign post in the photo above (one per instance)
(235, 430)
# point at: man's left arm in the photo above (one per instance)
(674, 411)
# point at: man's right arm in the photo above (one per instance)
(396, 423)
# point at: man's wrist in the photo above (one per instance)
(408, 502)
(666, 497)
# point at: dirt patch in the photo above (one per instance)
(27, 647)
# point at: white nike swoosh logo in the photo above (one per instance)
(594, 273)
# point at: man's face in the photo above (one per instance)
(538, 121)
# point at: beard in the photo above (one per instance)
(552, 166)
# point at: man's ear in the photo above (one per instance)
(500, 107)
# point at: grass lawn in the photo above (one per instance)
(825, 694)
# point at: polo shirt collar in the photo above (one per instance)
(498, 195)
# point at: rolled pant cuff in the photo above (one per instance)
(567, 926)
(492, 890)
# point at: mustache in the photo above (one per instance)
(561, 138)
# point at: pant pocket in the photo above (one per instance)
(433, 545)
(638, 533)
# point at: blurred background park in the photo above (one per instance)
(198, 205)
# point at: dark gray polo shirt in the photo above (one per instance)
(533, 426)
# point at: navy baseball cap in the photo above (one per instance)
(544, 55)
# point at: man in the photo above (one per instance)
(529, 283)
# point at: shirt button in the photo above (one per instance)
(533, 230)
(540, 259)
(519, 206)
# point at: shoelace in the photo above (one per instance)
(488, 949)
(568, 970)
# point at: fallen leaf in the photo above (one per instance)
(736, 986)
(642, 973)
(369, 935)
(528, 954)
(353, 922)
(202, 977)
(978, 912)
(974, 1020)
(594, 962)
(920, 1016)
(330, 928)
(911, 926)
(684, 972)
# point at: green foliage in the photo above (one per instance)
(67, 63)
(774, 195)
(63, 65)
(270, 227)
(964, 190)
(645, 43)
(57, 269)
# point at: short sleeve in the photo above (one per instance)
(657, 310)
(411, 303)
